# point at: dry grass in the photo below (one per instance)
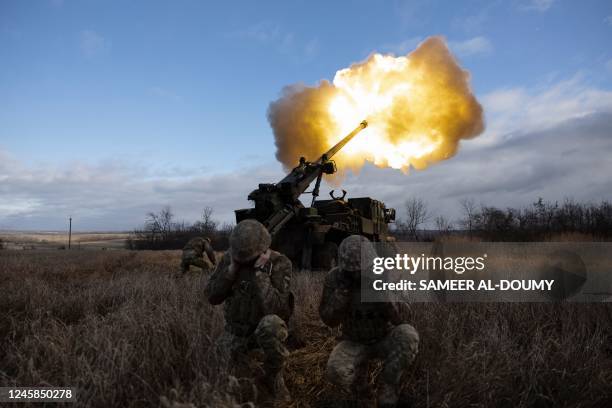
(119, 327)
(55, 240)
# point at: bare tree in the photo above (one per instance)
(207, 225)
(160, 223)
(468, 205)
(443, 225)
(417, 214)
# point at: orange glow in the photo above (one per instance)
(418, 108)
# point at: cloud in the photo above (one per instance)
(266, 32)
(402, 47)
(566, 161)
(551, 141)
(271, 34)
(537, 5)
(472, 46)
(93, 44)
(116, 195)
(473, 22)
(513, 110)
(608, 20)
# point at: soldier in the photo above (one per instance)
(369, 330)
(253, 282)
(193, 254)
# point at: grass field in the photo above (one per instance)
(59, 240)
(119, 327)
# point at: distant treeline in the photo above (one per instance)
(540, 221)
(160, 231)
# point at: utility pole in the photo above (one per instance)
(69, 232)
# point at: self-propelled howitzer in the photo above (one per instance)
(310, 235)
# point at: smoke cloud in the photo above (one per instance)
(419, 107)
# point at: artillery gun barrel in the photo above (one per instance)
(336, 148)
(276, 204)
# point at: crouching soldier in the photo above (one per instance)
(369, 330)
(254, 284)
(193, 254)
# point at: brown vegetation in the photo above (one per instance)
(59, 240)
(120, 327)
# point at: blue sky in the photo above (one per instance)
(158, 92)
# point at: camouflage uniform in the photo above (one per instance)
(193, 254)
(369, 330)
(253, 283)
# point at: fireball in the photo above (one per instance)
(419, 107)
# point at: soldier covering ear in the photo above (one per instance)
(254, 284)
(369, 330)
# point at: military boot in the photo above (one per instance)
(387, 396)
(275, 391)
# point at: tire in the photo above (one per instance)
(325, 257)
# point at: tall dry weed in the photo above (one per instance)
(120, 327)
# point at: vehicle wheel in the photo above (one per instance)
(325, 256)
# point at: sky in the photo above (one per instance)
(111, 109)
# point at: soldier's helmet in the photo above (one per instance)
(249, 239)
(350, 253)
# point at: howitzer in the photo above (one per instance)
(276, 204)
(296, 229)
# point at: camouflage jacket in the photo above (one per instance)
(361, 322)
(199, 245)
(253, 293)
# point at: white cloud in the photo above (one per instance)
(93, 44)
(264, 31)
(537, 5)
(273, 35)
(474, 22)
(402, 47)
(567, 161)
(472, 46)
(116, 195)
(551, 141)
(514, 110)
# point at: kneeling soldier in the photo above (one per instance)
(193, 254)
(253, 282)
(369, 330)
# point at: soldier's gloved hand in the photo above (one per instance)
(232, 271)
(262, 259)
(350, 278)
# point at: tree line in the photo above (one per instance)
(542, 220)
(161, 231)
